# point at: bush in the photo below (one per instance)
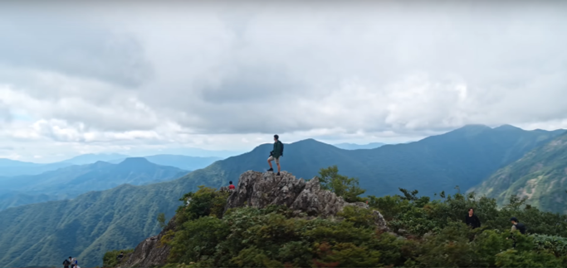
(110, 258)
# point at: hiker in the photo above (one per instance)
(276, 153)
(516, 225)
(231, 186)
(67, 262)
(73, 262)
(472, 220)
(119, 257)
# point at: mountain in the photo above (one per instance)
(182, 161)
(353, 146)
(462, 157)
(10, 168)
(91, 224)
(93, 158)
(72, 181)
(540, 176)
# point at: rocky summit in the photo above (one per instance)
(259, 190)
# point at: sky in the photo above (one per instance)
(145, 78)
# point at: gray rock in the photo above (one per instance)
(150, 252)
(263, 189)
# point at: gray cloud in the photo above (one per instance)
(173, 73)
(54, 44)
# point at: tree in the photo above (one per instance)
(341, 185)
(161, 219)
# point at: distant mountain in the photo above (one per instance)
(182, 161)
(353, 146)
(14, 163)
(93, 158)
(540, 176)
(95, 222)
(72, 181)
(10, 168)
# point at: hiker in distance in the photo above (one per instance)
(276, 154)
(516, 225)
(472, 220)
(67, 262)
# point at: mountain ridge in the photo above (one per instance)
(540, 176)
(437, 162)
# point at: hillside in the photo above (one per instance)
(182, 161)
(72, 181)
(540, 176)
(123, 216)
(273, 221)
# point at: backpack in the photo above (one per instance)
(282, 147)
(66, 262)
(521, 228)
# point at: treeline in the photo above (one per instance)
(424, 233)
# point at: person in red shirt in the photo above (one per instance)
(231, 186)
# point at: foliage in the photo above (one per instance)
(110, 258)
(433, 235)
(161, 219)
(341, 185)
(206, 201)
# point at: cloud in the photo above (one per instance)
(188, 73)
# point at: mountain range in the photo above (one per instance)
(69, 182)
(354, 146)
(12, 168)
(90, 224)
(540, 177)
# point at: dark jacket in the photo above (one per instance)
(278, 149)
(472, 221)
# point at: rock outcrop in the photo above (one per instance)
(263, 189)
(150, 252)
(259, 190)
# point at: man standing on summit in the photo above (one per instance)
(276, 153)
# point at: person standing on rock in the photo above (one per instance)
(231, 186)
(276, 154)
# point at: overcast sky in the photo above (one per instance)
(140, 78)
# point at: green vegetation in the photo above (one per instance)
(161, 220)
(93, 223)
(425, 234)
(110, 258)
(341, 185)
(540, 177)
